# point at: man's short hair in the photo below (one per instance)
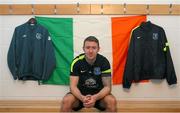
(91, 39)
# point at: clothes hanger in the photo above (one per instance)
(32, 21)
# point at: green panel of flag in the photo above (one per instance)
(61, 32)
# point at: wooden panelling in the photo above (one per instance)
(175, 9)
(66, 9)
(69, 9)
(54, 106)
(43, 9)
(113, 9)
(95, 9)
(158, 9)
(84, 9)
(90, 9)
(21, 9)
(4, 9)
(136, 9)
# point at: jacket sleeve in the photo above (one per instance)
(170, 71)
(12, 57)
(129, 69)
(49, 58)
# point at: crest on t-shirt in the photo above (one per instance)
(155, 36)
(97, 71)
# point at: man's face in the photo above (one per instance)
(91, 49)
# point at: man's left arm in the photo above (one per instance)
(106, 90)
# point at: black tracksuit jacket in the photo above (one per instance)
(31, 55)
(148, 56)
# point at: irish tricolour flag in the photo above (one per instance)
(68, 35)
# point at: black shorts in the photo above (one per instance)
(80, 106)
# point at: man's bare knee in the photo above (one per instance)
(67, 103)
(111, 103)
(66, 100)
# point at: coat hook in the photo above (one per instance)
(147, 9)
(77, 8)
(10, 9)
(170, 8)
(55, 9)
(124, 8)
(32, 9)
(102, 11)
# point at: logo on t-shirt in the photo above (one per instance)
(24, 36)
(155, 36)
(38, 36)
(90, 83)
(97, 71)
(49, 38)
(138, 37)
(83, 71)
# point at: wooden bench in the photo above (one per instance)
(54, 106)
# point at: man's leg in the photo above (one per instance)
(109, 103)
(69, 102)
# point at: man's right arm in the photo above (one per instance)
(74, 89)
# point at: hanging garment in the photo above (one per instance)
(121, 31)
(148, 56)
(31, 55)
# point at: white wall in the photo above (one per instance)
(10, 89)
